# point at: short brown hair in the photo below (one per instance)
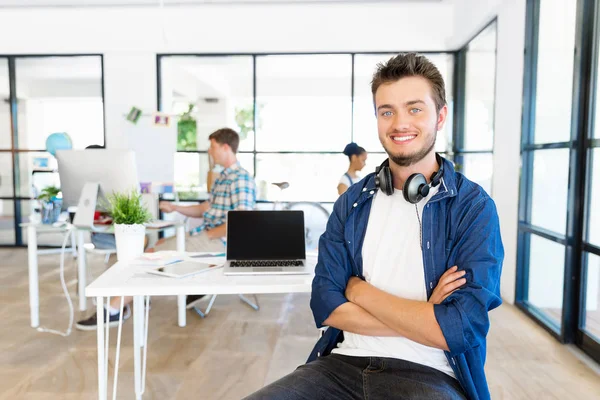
(411, 64)
(226, 136)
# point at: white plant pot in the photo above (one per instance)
(129, 240)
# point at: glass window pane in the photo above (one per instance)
(546, 276)
(6, 175)
(592, 296)
(303, 102)
(549, 192)
(190, 175)
(596, 130)
(365, 123)
(480, 91)
(554, 73)
(191, 171)
(7, 222)
(60, 94)
(593, 209)
(247, 162)
(478, 168)
(5, 133)
(312, 177)
(220, 89)
(37, 171)
(374, 160)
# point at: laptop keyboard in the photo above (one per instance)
(274, 263)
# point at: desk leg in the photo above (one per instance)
(138, 332)
(102, 378)
(181, 316)
(34, 290)
(81, 273)
(74, 243)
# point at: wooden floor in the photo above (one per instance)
(234, 351)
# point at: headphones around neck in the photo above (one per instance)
(415, 188)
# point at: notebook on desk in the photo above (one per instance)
(265, 242)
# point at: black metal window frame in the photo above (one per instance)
(254, 56)
(460, 96)
(15, 151)
(585, 81)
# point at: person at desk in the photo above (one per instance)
(409, 265)
(233, 189)
(358, 158)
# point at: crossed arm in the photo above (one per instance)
(373, 312)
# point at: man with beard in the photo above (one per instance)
(409, 265)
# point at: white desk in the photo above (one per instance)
(77, 236)
(125, 280)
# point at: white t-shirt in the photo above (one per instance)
(393, 262)
(348, 180)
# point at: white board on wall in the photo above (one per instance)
(154, 146)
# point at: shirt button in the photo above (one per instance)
(364, 189)
(319, 354)
(348, 242)
(371, 192)
(355, 204)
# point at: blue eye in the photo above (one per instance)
(386, 113)
(415, 110)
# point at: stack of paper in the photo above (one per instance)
(157, 259)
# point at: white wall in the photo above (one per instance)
(129, 80)
(228, 28)
(130, 37)
(470, 17)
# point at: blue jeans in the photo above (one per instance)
(367, 378)
(104, 241)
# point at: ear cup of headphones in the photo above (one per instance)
(384, 181)
(415, 188)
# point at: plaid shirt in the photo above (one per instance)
(234, 189)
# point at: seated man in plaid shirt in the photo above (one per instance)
(234, 189)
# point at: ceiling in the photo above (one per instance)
(117, 3)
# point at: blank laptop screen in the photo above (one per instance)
(265, 235)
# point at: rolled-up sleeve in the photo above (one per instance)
(332, 271)
(463, 316)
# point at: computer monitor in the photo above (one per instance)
(114, 170)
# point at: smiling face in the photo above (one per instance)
(407, 119)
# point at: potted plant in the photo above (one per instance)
(129, 215)
(50, 204)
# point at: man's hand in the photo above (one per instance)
(353, 287)
(449, 282)
(167, 206)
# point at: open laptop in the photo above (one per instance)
(265, 242)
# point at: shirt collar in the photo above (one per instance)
(233, 167)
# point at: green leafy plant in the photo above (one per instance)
(127, 208)
(48, 193)
(244, 119)
(186, 130)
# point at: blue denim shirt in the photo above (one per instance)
(460, 227)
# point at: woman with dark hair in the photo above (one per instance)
(358, 157)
